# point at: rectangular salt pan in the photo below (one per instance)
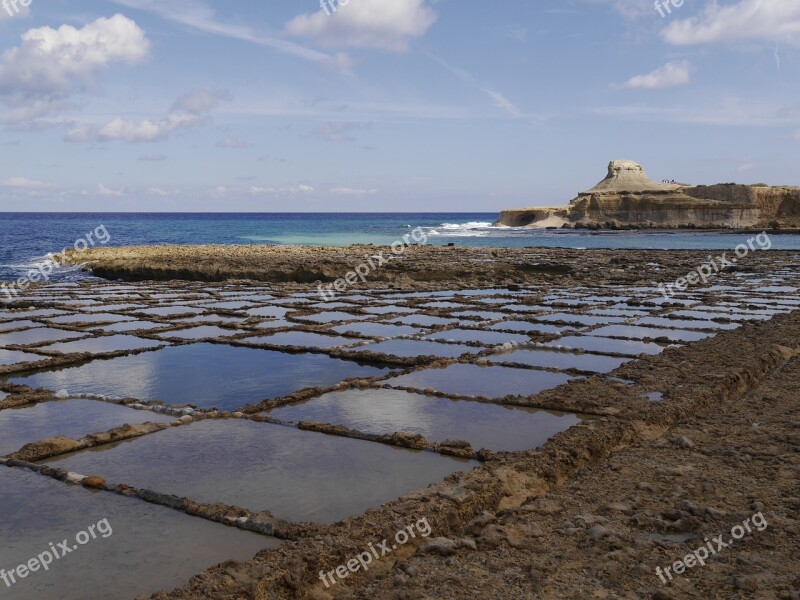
(382, 411)
(477, 380)
(550, 359)
(149, 547)
(207, 375)
(296, 475)
(102, 344)
(608, 345)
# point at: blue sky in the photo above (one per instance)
(386, 105)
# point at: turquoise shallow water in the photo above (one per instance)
(26, 237)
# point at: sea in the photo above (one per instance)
(27, 238)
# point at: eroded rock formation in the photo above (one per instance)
(628, 198)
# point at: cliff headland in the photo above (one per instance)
(628, 198)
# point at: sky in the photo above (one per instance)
(386, 105)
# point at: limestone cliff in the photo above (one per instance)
(628, 198)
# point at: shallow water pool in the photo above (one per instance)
(207, 375)
(382, 411)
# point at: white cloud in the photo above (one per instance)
(126, 130)
(153, 157)
(102, 190)
(200, 101)
(672, 74)
(299, 189)
(384, 24)
(154, 191)
(775, 20)
(38, 77)
(59, 60)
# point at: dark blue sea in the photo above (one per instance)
(26, 238)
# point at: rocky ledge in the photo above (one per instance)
(628, 198)
(418, 267)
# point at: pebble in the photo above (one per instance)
(444, 546)
(75, 477)
(186, 419)
(94, 482)
(744, 583)
(684, 442)
(598, 532)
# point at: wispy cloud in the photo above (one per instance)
(200, 16)
(200, 101)
(338, 131)
(298, 189)
(345, 191)
(729, 112)
(23, 182)
(187, 112)
(498, 99)
(131, 131)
